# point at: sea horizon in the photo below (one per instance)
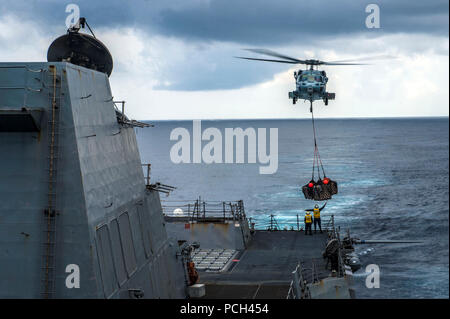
(301, 119)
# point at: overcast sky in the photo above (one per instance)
(173, 59)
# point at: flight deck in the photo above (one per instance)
(264, 269)
(237, 260)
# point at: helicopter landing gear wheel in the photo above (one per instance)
(326, 101)
(294, 100)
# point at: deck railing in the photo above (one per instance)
(298, 288)
(292, 223)
(204, 210)
(334, 233)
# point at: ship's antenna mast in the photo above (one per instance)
(81, 23)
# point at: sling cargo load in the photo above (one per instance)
(322, 189)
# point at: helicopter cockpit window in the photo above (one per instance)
(304, 78)
(318, 78)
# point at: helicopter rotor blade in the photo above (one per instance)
(367, 58)
(267, 60)
(291, 60)
(342, 63)
(274, 54)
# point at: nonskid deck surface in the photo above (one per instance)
(267, 264)
(260, 291)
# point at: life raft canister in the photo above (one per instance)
(316, 213)
(308, 218)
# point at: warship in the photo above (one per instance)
(79, 218)
(74, 200)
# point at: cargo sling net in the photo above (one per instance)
(322, 189)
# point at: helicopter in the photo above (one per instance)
(310, 83)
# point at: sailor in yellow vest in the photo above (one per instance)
(308, 223)
(316, 212)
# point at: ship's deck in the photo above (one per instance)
(264, 269)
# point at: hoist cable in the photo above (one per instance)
(316, 149)
(314, 163)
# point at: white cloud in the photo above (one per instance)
(21, 40)
(415, 84)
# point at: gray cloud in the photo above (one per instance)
(239, 23)
(245, 21)
(217, 69)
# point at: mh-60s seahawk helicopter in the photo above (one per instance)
(310, 83)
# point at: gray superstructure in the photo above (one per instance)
(72, 192)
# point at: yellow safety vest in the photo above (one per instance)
(308, 219)
(316, 213)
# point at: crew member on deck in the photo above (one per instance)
(316, 211)
(308, 223)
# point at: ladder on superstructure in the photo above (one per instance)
(50, 213)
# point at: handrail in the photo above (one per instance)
(123, 119)
(201, 210)
(335, 234)
(291, 223)
(298, 288)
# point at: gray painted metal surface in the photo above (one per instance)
(210, 235)
(106, 221)
(270, 258)
(330, 288)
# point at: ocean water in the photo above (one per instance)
(393, 177)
